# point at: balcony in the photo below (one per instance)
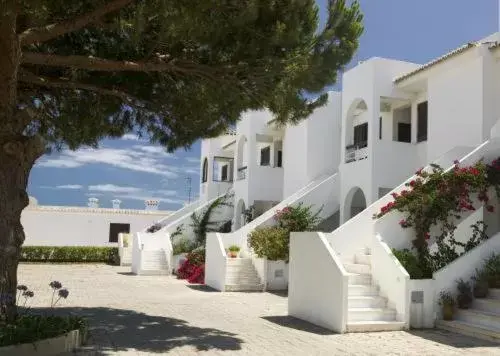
(356, 152)
(242, 173)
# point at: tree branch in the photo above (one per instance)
(64, 83)
(106, 65)
(42, 34)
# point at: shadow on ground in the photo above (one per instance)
(451, 339)
(115, 330)
(297, 324)
(202, 288)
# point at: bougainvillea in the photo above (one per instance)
(435, 198)
(193, 268)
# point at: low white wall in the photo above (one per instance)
(277, 273)
(317, 290)
(215, 262)
(186, 210)
(125, 252)
(136, 253)
(80, 226)
(391, 277)
(421, 296)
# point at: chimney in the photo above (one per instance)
(116, 203)
(151, 204)
(93, 202)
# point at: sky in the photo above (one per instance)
(133, 170)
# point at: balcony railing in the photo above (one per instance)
(356, 152)
(242, 173)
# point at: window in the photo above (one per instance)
(422, 114)
(279, 161)
(380, 128)
(223, 173)
(361, 135)
(204, 176)
(265, 156)
(115, 229)
(404, 132)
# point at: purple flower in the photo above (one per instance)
(55, 285)
(22, 287)
(63, 293)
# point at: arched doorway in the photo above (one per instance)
(355, 203)
(239, 217)
(356, 133)
(204, 176)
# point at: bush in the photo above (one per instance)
(31, 328)
(411, 265)
(492, 269)
(272, 243)
(74, 254)
(183, 245)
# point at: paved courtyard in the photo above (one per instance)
(134, 315)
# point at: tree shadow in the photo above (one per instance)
(114, 330)
(452, 339)
(202, 288)
(298, 324)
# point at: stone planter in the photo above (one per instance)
(53, 346)
(422, 303)
(277, 275)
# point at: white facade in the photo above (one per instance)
(82, 226)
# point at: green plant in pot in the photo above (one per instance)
(464, 297)
(480, 289)
(447, 303)
(233, 251)
(492, 269)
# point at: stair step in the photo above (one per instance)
(366, 302)
(487, 304)
(371, 326)
(244, 287)
(474, 330)
(364, 279)
(357, 268)
(362, 258)
(362, 290)
(239, 261)
(478, 317)
(494, 293)
(371, 314)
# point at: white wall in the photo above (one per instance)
(65, 226)
(295, 158)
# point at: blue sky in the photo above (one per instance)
(133, 170)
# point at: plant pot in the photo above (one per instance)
(464, 301)
(233, 254)
(481, 289)
(447, 312)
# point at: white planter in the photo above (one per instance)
(422, 303)
(277, 275)
(54, 346)
(177, 261)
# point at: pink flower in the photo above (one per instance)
(427, 236)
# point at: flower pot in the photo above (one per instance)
(464, 301)
(233, 254)
(447, 312)
(481, 289)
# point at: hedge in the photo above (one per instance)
(70, 254)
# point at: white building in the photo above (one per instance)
(46, 225)
(391, 118)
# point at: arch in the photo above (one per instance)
(239, 216)
(355, 202)
(355, 139)
(204, 176)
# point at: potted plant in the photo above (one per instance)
(233, 251)
(492, 269)
(480, 279)
(464, 298)
(447, 302)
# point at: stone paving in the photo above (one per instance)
(136, 315)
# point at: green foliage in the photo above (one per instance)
(446, 298)
(197, 256)
(31, 328)
(410, 263)
(271, 242)
(178, 232)
(464, 296)
(492, 270)
(202, 223)
(199, 65)
(70, 254)
(183, 245)
(234, 248)
(298, 218)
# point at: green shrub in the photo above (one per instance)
(183, 245)
(70, 254)
(410, 262)
(31, 328)
(234, 248)
(492, 269)
(272, 243)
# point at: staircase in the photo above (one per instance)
(154, 262)
(241, 276)
(481, 321)
(367, 310)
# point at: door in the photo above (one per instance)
(115, 229)
(404, 132)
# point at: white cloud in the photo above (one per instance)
(193, 159)
(111, 188)
(65, 186)
(147, 159)
(130, 137)
(143, 197)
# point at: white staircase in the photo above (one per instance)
(367, 310)
(481, 321)
(154, 262)
(242, 276)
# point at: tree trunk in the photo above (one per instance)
(16, 160)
